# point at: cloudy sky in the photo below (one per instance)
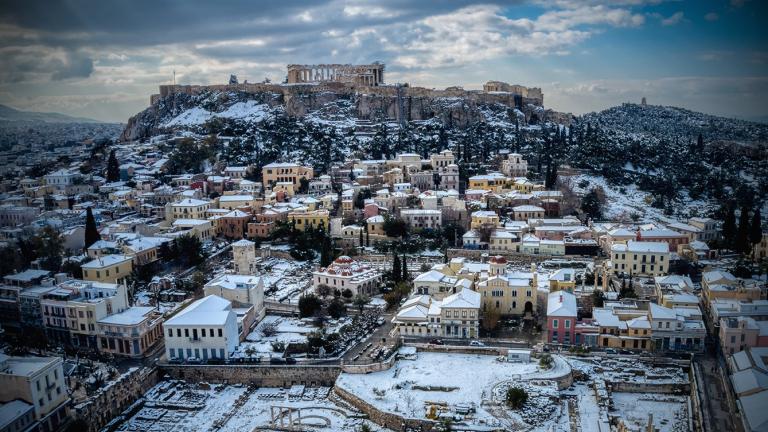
(103, 59)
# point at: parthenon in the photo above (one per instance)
(363, 75)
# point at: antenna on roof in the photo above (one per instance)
(174, 77)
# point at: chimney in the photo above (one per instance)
(638, 236)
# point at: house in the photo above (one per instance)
(200, 228)
(419, 316)
(720, 284)
(188, 208)
(672, 239)
(303, 219)
(460, 315)
(130, 333)
(113, 268)
(38, 382)
(493, 182)
(502, 241)
(677, 329)
(563, 279)
(739, 333)
(235, 202)
(422, 219)
(525, 212)
(623, 326)
(561, 317)
(240, 290)
(483, 219)
(514, 165)
(204, 330)
(639, 258)
(276, 172)
(708, 228)
(345, 273)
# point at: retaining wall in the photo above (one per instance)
(113, 400)
(263, 376)
(382, 418)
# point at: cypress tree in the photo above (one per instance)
(755, 230)
(742, 234)
(326, 252)
(406, 276)
(397, 271)
(91, 231)
(113, 168)
(361, 239)
(729, 227)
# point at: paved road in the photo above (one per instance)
(721, 416)
(375, 339)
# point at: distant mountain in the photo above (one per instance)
(13, 115)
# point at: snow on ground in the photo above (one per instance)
(453, 380)
(249, 111)
(670, 412)
(285, 280)
(622, 202)
(182, 407)
(286, 330)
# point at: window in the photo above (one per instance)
(186, 332)
(170, 332)
(178, 332)
(203, 332)
(554, 323)
(221, 333)
(567, 323)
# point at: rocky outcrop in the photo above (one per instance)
(454, 107)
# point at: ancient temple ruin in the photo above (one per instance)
(364, 75)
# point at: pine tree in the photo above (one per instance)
(406, 276)
(360, 243)
(729, 227)
(397, 271)
(91, 231)
(742, 234)
(113, 168)
(755, 230)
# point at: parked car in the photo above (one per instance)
(476, 343)
(436, 342)
(290, 360)
(176, 360)
(611, 351)
(277, 361)
(194, 360)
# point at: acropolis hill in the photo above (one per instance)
(309, 88)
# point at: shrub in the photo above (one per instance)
(309, 304)
(546, 361)
(516, 397)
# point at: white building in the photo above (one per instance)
(420, 219)
(242, 289)
(38, 381)
(514, 165)
(345, 273)
(206, 329)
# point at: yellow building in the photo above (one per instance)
(109, 268)
(720, 284)
(508, 293)
(640, 258)
(563, 279)
(494, 182)
(484, 218)
(304, 219)
(188, 208)
(285, 172)
(623, 328)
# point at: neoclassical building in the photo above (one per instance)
(346, 273)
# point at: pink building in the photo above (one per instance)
(740, 333)
(371, 209)
(561, 318)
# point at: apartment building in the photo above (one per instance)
(640, 258)
(130, 333)
(422, 219)
(39, 382)
(71, 312)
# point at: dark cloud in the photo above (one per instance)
(75, 66)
